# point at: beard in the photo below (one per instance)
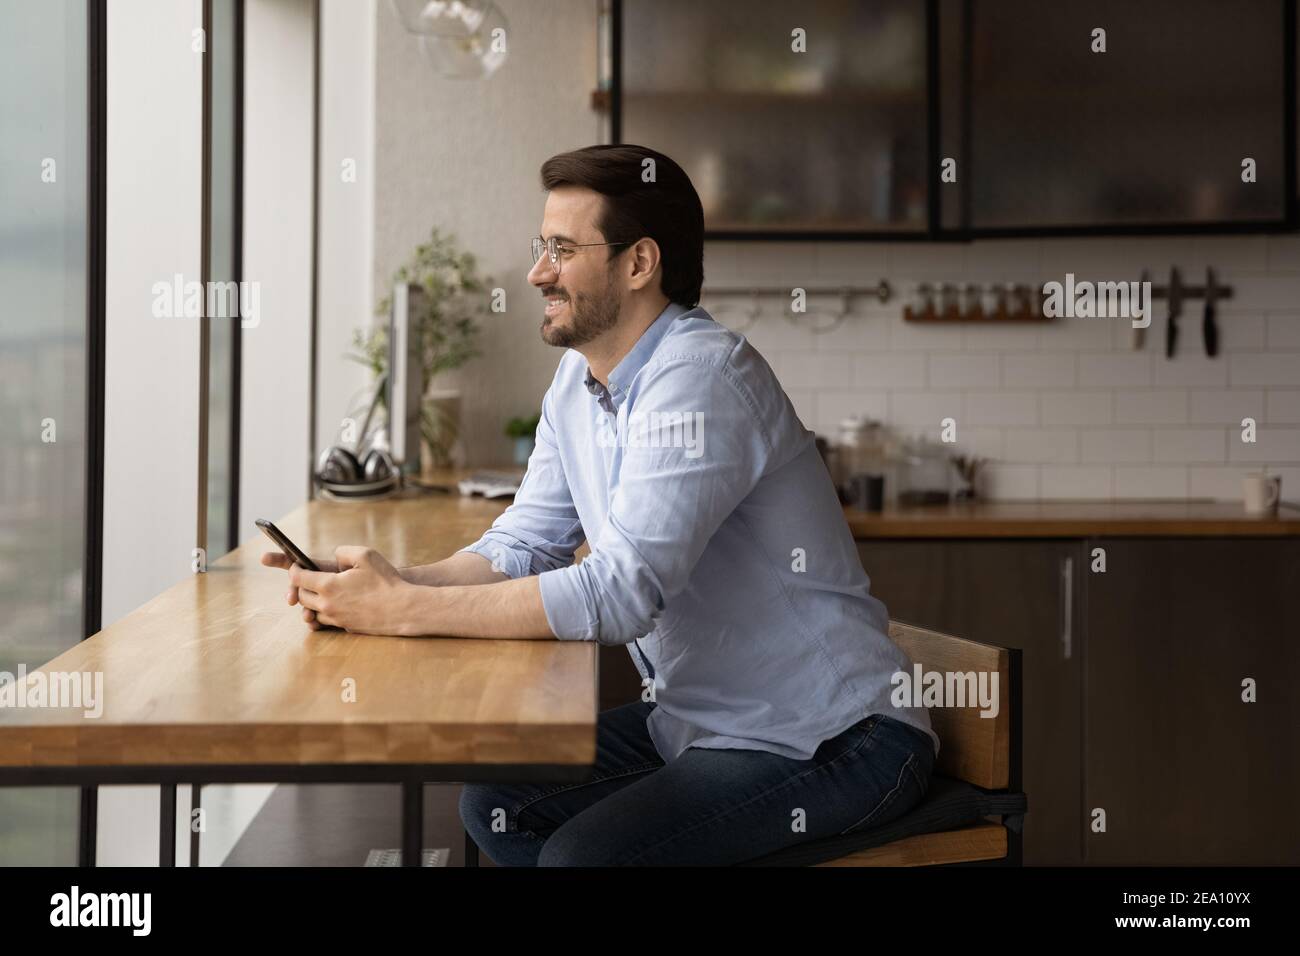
(590, 314)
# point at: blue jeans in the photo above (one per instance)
(707, 807)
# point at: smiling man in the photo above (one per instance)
(719, 556)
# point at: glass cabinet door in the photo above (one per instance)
(801, 118)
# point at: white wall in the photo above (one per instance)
(275, 448)
(347, 214)
(464, 156)
(151, 364)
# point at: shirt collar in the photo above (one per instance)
(620, 379)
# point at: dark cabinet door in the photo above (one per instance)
(1186, 772)
(1015, 594)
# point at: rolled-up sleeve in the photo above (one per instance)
(694, 447)
(540, 531)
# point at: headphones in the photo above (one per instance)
(342, 473)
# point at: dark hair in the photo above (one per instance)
(667, 209)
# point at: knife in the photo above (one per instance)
(1175, 307)
(1209, 330)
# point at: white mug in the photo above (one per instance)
(1261, 492)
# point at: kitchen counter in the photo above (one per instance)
(1073, 519)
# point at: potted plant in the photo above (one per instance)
(524, 433)
(446, 320)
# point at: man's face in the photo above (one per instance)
(584, 298)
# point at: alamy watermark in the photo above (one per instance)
(179, 299)
(656, 430)
(1103, 300)
(923, 688)
(61, 689)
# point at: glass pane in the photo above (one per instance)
(43, 229)
(832, 138)
(1153, 130)
(222, 268)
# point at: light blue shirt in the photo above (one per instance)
(718, 545)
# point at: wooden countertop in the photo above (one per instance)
(1073, 519)
(219, 669)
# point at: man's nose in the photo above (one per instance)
(543, 272)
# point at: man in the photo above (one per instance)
(719, 556)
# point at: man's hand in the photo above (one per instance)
(278, 559)
(365, 595)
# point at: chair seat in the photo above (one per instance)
(984, 841)
(950, 822)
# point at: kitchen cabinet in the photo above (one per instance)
(1020, 594)
(1173, 628)
(957, 119)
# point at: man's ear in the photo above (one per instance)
(644, 259)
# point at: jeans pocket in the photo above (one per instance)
(904, 786)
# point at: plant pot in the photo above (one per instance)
(440, 426)
(523, 449)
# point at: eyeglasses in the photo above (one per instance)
(555, 248)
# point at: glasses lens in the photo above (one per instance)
(549, 248)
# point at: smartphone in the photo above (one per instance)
(284, 544)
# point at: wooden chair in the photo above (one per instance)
(979, 753)
(979, 764)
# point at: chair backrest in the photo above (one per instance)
(979, 750)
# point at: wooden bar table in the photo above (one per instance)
(218, 680)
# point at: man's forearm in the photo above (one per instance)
(508, 609)
(462, 568)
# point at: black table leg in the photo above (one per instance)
(167, 825)
(196, 803)
(412, 824)
(89, 819)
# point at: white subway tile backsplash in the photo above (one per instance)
(1196, 369)
(1114, 369)
(1284, 330)
(813, 369)
(927, 260)
(1150, 481)
(1283, 406)
(1051, 445)
(1005, 482)
(1271, 446)
(1284, 253)
(1062, 409)
(1004, 337)
(857, 263)
(1265, 368)
(890, 370)
(1075, 481)
(1001, 408)
(1048, 370)
(1115, 444)
(1226, 255)
(982, 442)
(1222, 482)
(1151, 407)
(1239, 331)
(1077, 408)
(1065, 334)
(926, 408)
(1190, 444)
(861, 331)
(836, 404)
(1267, 293)
(963, 371)
(1225, 406)
(911, 336)
(804, 401)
